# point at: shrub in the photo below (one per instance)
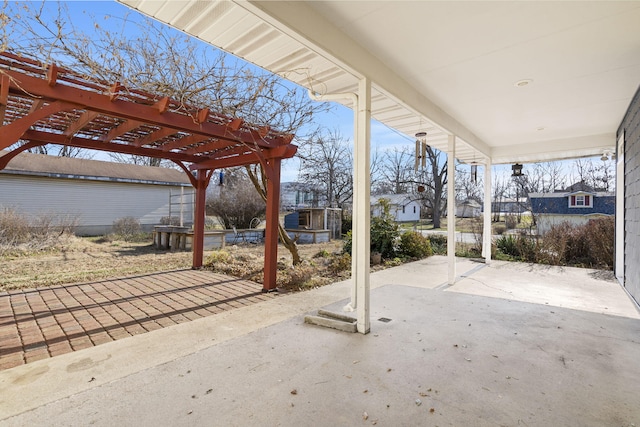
(347, 224)
(340, 263)
(507, 244)
(47, 224)
(510, 222)
(14, 227)
(20, 234)
(527, 248)
(499, 229)
(384, 232)
(591, 244)
(600, 234)
(127, 228)
(322, 254)
(237, 203)
(296, 277)
(438, 244)
(393, 262)
(383, 237)
(219, 256)
(414, 245)
(555, 244)
(347, 242)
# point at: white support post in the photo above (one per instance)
(362, 206)
(353, 305)
(486, 230)
(360, 125)
(451, 208)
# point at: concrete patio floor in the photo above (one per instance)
(508, 344)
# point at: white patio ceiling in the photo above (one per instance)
(447, 67)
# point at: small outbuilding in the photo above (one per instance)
(403, 207)
(314, 225)
(93, 194)
(469, 208)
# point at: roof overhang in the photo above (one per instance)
(514, 81)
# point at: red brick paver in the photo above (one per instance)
(40, 323)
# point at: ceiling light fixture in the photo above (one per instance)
(517, 170)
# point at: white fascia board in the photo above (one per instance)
(558, 149)
(304, 24)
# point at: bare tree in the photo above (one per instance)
(500, 191)
(236, 202)
(140, 53)
(598, 174)
(396, 172)
(326, 164)
(468, 187)
(435, 182)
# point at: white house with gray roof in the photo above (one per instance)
(402, 207)
(94, 193)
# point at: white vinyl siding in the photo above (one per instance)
(95, 204)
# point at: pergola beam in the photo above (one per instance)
(283, 152)
(180, 143)
(103, 104)
(82, 121)
(121, 129)
(4, 96)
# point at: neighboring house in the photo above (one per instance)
(469, 208)
(402, 207)
(94, 193)
(576, 204)
(509, 205)
(296, 195)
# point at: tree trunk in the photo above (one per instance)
(436, 212)
(261, 188)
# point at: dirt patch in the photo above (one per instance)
(77, 260)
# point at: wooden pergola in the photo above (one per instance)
(46, 104)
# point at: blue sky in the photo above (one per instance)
(86, 14)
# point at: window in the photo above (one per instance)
(402, 209)
(414, 209)
(580, 201)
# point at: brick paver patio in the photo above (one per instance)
(46, 322)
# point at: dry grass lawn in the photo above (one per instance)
(77, 260)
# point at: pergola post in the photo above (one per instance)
(202, 181)
(272, 219)
(486, 230)
(451, 208)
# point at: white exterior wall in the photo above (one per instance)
(396, 211)
(544, 222)
(465, 211)
(95, 204)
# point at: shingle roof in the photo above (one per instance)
(74, 168)
(394, 199)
